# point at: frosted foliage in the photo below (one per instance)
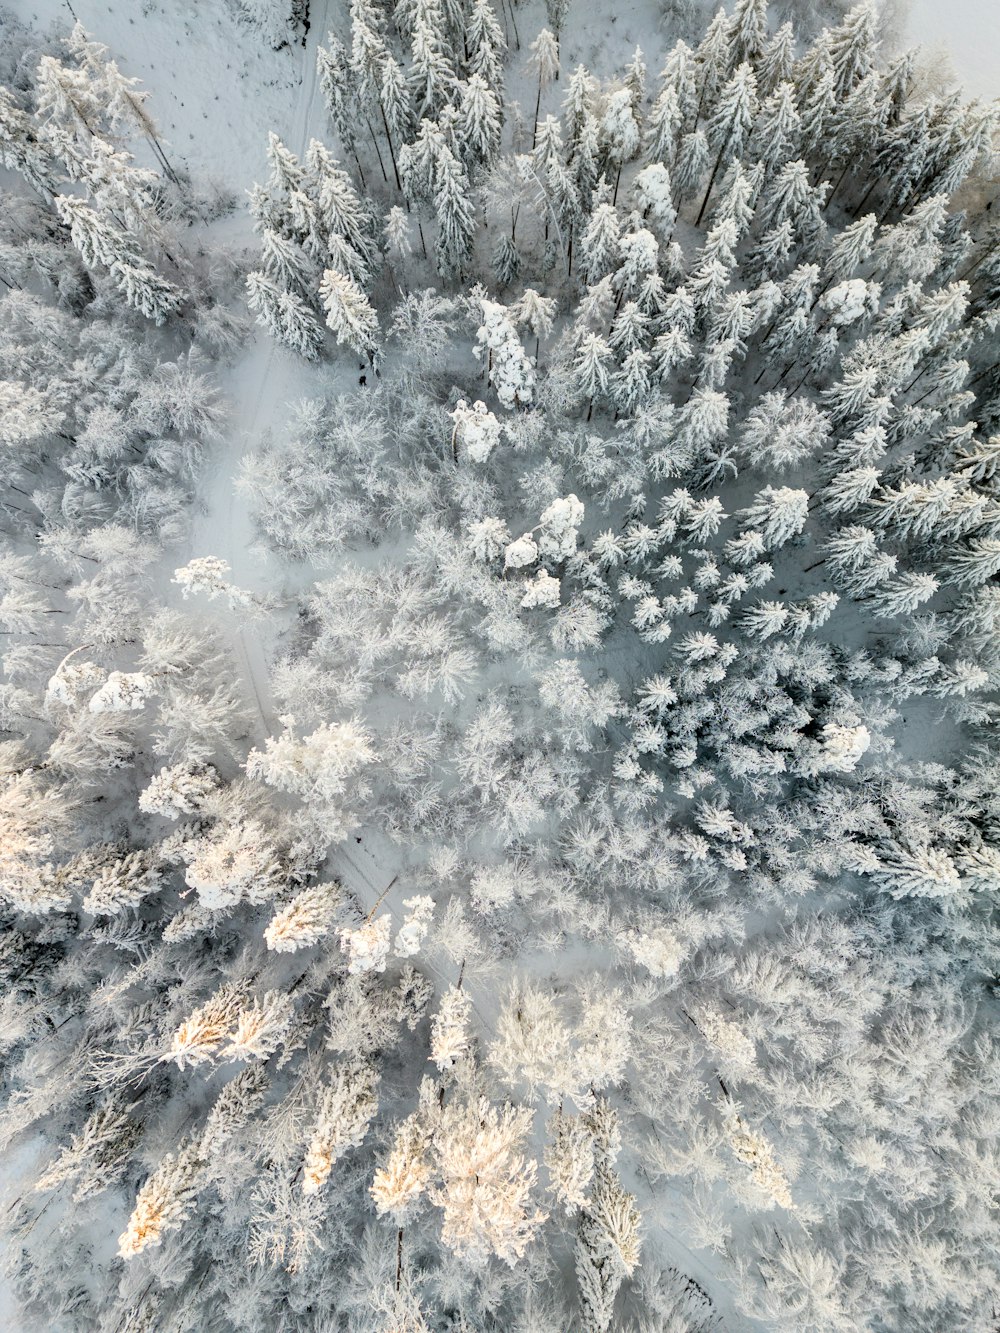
(306, 919)
(450, 1034)
(488, 538)
(476, 430)
(25, 415)
(398, 1186)
(544, 590)
(368, 946)
(510, 371)
(121, 884)
(733, 1046)
(569, 1158)
(485, 1181)
(178, 790)
(778, 514)
(754, 1152)
(122, 692)
(260, 1027)
(844, 747)
(346, 1108)
(207, 575)
(235, 862)
(539, 1046)
(199, 1037)
(558, 528)
(553, 686)
(320, 766)
(658, 951)
(919, 872)
(416, 924)
(163, 1204)
(522, 552)
(71, 681)
(847, 302)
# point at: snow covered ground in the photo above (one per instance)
(966, 33)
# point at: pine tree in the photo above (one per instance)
(305, 920)
(164, 1203)
(663, 128)
(478, 127)
(368, 49)
(817, 108)
(544, 61)
(144, 288)
(398, 1187)
(284, 262)
(778, 128)
(631, 386)
(600, 242)
(485, 1182)
(712, 62)
(654, 196)
(592, 369)
(747, 32)
(620, 133)
(432, 80)
(347, 1106)
(731, 123)
(607, 1247)
(692, 163)
(579, 104)
(851, 49)
(336, 83)
(21, 148)
(349, 314)
(485, 45)
(284, 315)
(337, 208)
(776, 64)
(778, 514)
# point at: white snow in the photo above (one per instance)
(965, 34)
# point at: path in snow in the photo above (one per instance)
(259, 388)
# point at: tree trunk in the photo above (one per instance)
(378, 151)
(711, 183)
(865, 196)
(392, 151)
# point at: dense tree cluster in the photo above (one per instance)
(614, 893)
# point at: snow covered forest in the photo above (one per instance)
(500, 641)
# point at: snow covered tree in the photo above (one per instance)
(349, 314)
(778, 514)
(607, 1245)
(731, 123)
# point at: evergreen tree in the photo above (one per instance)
(432, 80)
(456, 221)
(544, 61)
(478, 126)
(349, 314)
(747, 32)
(731, 123)
(778, 128)
(850, 49)
(485, 45)
(776, 65)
